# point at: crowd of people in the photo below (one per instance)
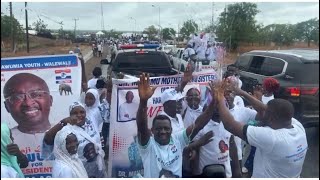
(187, 139)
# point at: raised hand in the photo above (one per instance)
(217, 89)
(232, 84)
(145, 90)
(187, 76)
(258, 92)
(205, 139)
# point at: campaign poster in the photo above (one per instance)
(36, 92)
(124, 157)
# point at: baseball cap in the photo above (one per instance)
(170, 95)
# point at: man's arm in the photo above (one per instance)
(235, 165)
(187, 77)
(145, 92)
(201, 121)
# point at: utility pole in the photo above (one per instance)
(102, 19)
(12, 26)
(75, 26)
(27, 28)
(212, 15)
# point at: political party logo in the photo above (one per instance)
(63, 76)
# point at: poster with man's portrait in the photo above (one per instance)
(36, 92)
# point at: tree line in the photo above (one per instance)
(237, 24)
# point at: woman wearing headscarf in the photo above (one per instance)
(93, 108)
(85, 131)
(12, 159)
(67, 163)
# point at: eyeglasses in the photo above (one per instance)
(34, 95)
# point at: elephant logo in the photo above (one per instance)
(65, 88)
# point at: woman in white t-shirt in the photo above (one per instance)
(12, 158)
(67, 163)
(270, 87)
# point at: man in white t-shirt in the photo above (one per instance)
(162, 150)
(281, 142)
(128, 110)
(188, 52)
(241, 114)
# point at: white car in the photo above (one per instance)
(180, 64)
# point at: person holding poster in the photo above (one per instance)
(84, 130)
(12, 159)
(164, 149)
(128, 110)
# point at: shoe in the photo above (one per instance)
(244, 170)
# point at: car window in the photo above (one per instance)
(272, 66)
(141, 61)
(181, 52)
(243, 62)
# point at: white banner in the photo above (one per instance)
(36, 92)
(124, 158)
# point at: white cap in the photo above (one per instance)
(71, 52)
(170, 95)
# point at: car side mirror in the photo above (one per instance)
(104, 61)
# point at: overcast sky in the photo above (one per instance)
(117, 15)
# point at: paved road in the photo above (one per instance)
(93, 62)
(311, 163)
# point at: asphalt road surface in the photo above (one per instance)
(311, 163)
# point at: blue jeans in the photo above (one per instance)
(249, 163)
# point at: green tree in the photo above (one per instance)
(151, 31)
(237, 23)
(40, 26)
(168, 33)
(308, 30)
(188, 28)
(6, 27)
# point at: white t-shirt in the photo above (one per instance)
(99, 47)
(30, 145)
(216, 151)
(128, 111)
(191, 116)
(92, 83)
(8, 172)
(280, 153)
(201, 52)
(176, 123)
(60, 170)
(266, 99)
(238, 101)
(188, 52)
(243, 115)
(211, 53)
(156, 157)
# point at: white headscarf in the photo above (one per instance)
(93, 112)
(81, 132)
(62, 155)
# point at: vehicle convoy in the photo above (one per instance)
(131, 60)
(180, 64)
(297, 71)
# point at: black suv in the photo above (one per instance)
(297, 70)
(134, 62)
